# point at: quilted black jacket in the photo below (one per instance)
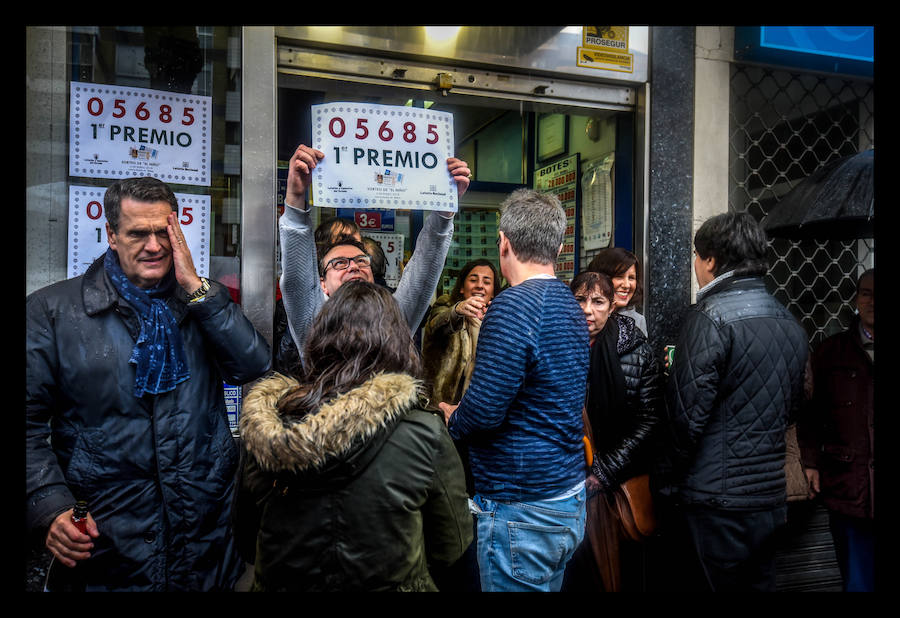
(736, 378)
(623, 443)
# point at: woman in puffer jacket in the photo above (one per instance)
(348, 484)
(622, 409)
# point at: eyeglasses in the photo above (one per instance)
(343, 263)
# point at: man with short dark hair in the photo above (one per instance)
(736, 378)
(302, 283)
(521, 415)
(836, 435)
(125, 408)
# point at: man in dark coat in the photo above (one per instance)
(736, 378)
(125, 408)
(837, 435)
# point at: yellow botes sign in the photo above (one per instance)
(605, 47)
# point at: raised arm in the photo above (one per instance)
(300, 289)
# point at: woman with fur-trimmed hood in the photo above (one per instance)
(348, 484)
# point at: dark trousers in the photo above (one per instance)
(854, 546)
(715, 550)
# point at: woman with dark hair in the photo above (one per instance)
(449, 340)
(348, 484)
(623, 268)
(622, 409)
(451, 331)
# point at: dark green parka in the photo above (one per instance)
(362, 495)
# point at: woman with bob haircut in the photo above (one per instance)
(348, 484)
(623, 408)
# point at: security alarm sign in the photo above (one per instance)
(87, 228)
(383, 156)
(123, 132)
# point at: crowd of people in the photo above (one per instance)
(500, 455)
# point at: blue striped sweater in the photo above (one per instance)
(521, 415)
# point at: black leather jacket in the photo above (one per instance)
(736, 378)
(623, 442)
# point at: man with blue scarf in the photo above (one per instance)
(125, 408)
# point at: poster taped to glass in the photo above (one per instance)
(123, 132)
(383, 156)
(88, 237)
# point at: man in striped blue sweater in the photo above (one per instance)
(521, 415)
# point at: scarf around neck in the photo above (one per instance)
(606, 381)
(158, 353)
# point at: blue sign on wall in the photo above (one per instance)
(838, 49)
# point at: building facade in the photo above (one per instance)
(643, 133)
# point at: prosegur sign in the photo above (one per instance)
(383, 156)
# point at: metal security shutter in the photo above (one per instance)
(783, 126)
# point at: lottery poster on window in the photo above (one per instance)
(392, 245)
(561, 179)
(87, 228)
(383, 156)
(123, 132)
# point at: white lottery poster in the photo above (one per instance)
(383, 156)
(87, 228)
(392, 245)
(597, 203)
(123, 132)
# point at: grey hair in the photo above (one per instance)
(535, 224)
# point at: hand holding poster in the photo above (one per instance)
(382, 156)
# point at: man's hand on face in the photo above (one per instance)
(185, 273)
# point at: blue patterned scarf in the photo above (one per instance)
(158, 354)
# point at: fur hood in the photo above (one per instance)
(347, 421)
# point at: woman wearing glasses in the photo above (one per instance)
(349, 485)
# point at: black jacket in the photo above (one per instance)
(623, 442)
(736, 378)
(365, 494)
(158, 472)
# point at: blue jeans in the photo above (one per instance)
(524, 546)
(854, 546)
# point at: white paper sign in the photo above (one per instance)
(383, 156)
(392, 245)
(123, 132)
(597, 204)
(87, 228)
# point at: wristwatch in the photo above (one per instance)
(200, 292)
